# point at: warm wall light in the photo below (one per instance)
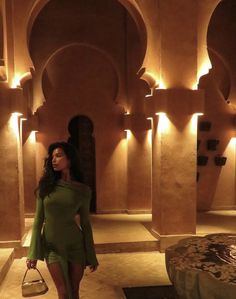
(163, 123)
(150, 137)
(19, 79)
(128, 134)
(17, 101)
(194, 122)
(162, 84)
(32, 137)
(233, 141)
(14, 123)
(16, 81)
(136, 122)
(204, 68)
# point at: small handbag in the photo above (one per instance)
(33, 287)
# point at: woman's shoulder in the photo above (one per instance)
(78, 186)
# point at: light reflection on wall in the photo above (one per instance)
(14, 123)
(194, 122)
(163, 123)
(16, 81)
(150, 137)
(32, 137)
(128, 134)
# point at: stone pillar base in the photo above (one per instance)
(169, 240)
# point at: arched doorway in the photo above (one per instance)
(81, 136)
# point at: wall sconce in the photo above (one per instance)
(204, 126)
(202, 160)
(17, 101)
(212, 144)
(137, 122)
(169, 101)
(220, 160)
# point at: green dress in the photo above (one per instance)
(56, 236)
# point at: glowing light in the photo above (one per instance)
(18, 78)
(16, 81)
(128, 134)
(14, 123)
(194, 123)
(233, 141)
(203, 70)
(16, 114)
(195, 86)
(150, 136)
(32, 137)
(162, 84)
(163, 123)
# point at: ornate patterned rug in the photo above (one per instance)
(152, 292)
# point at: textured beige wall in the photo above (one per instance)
(11, 188)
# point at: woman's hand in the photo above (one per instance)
(93, 268)
(31, 264)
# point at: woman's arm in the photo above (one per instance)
(87, 231)
(35, 251)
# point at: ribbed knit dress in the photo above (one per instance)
(56, 236)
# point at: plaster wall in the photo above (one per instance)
(29, 166)
(90, 92)
(173, 168)
(216, 185)
(178, 46)
(11, 190)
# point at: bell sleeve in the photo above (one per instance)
(91, 258)
(36, 251)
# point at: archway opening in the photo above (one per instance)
(81, 136)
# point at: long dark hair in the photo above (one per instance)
(50, 177)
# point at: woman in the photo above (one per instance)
(62, 211)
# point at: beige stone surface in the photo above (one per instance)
(115, 228)
(115, 272)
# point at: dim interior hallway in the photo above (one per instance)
(117, 269)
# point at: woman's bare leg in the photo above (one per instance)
(58, 278)
(76, 272)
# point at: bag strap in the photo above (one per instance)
(32, 269)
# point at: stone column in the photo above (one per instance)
(139, 163)
(138, 135)
(11, 170)
(30, 127)
(174, 162)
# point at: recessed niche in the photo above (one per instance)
(220, 160)
(212, 144)
(204, 126)
(202, 160)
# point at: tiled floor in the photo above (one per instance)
(118, 270)
(115, 272)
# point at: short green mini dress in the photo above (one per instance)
(56, 237)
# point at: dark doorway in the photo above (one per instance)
(81, 136)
